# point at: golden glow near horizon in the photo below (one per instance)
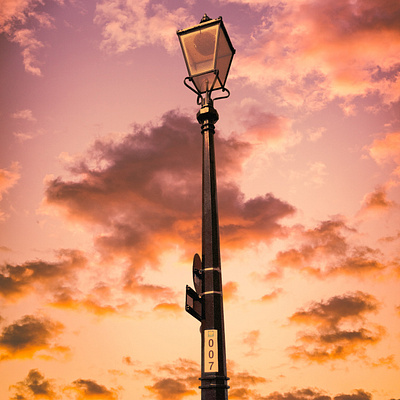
(100, 200)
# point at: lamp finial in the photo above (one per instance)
(205, 18)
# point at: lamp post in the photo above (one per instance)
(208, 53)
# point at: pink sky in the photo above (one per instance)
(100, 200)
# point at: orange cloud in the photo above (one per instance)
(230, 290)
(170, 389)
(377, 201)
(270, 129)
(9, 177)
(387, 150)
(309, 52)
(272, 296)
(31, 336)
(242, 384)
(251, 339)
(35, 386)
(89, 389)
(327, 250)
(18, 280)
(332, 338)
(315, 394)
(168, 309)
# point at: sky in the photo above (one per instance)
(100, 200)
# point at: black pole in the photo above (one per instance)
(213, 354)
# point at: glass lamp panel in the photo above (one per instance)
(199, 49)
(205, 82)
(224, 57)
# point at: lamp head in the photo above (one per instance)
(208, 54)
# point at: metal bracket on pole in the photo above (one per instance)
(194, 303)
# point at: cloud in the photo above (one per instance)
(338, 330)
(357, 395)
(309, 52)
(230, 290)
(313, 176)
(31, 336)
(34, 386)
(26, 115)
(170, 389)
(19, 280)
(273, 131)
(8, 178)
(376, 201)
(299, 394)
(128, 25)
(168, 309)
(327, 250)
(180, 379)
(272, 296)
(242, 384)
(142, 194)
(316, 394)
(174, 381)
(20, 20)
(93, 302)
(251, 339)
(386, 150)
(88, 388)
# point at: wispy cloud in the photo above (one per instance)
(127, 25)
(24, 115)
(20, 20)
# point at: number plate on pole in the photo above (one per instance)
(211, 350)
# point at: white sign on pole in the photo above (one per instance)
(211, 350)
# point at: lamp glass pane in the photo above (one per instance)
(199, 49)
(205, 82)
(224, 57)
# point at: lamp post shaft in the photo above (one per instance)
(213, 354)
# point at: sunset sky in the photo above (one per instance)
(100, 200)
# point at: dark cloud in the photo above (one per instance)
(34, 386)
(327, 250)
(315, 394)
(358, 395)
(30, 335)
(298, 394)
(170, 389)
(174, 381)
(143, 194)
(19, 280)
(87, 388)
(338, 328)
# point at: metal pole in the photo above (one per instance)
(213, 354)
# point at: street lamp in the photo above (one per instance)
(208, 53)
